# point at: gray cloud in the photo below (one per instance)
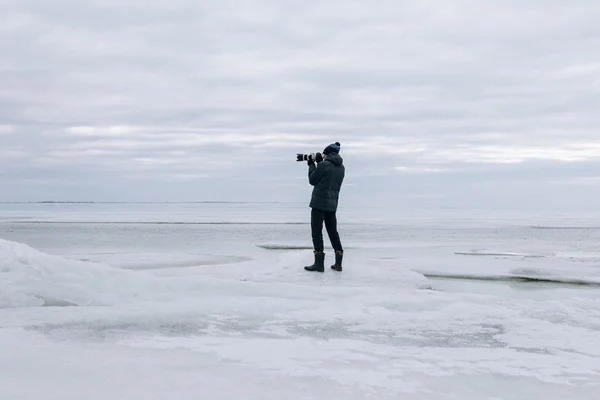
(104, 100)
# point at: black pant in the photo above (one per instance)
(316, 222)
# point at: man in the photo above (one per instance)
(326, 177)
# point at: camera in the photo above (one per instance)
(316, 157)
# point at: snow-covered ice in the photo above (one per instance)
(99, 310)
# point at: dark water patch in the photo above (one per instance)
(515, 278)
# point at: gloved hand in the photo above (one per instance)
(319, 157)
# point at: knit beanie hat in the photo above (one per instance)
(332, 148)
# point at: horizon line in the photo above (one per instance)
(145, 202)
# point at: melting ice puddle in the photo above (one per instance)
(516, 278)
(514, 289)
(153, 261)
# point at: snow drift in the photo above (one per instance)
(30, 278)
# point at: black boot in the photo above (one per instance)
(339, 256)
(319, 264)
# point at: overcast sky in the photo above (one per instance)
(461, 103)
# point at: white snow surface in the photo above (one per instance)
(239, 320)
(29, 277)
(276, 331)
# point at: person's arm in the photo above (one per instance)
(315, 174)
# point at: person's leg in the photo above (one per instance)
(316, 226)
(331, 226)
(334, 237)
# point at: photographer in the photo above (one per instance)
(326, 174)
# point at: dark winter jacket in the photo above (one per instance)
(327, 178)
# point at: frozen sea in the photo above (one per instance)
(210, 301)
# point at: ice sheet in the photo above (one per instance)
(189, 311)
